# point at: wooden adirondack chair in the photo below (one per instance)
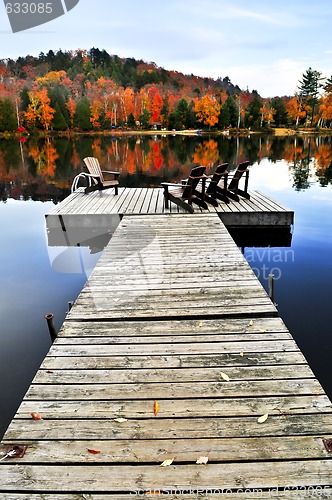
(213, 189)
(186, 193)
(96, 175)
(233, 187)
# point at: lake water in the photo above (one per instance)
(34, 176)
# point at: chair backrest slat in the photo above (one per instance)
(193, 180)
(241, 169)
(219, 172)
(93, 166)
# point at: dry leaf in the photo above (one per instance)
(36, 416)
(241, 354)
(156, 407)
(166, 463)
(251, 323)
(202, 460)
(225, 376)
(200, 324)
(94, 452)
(120, 420)
(49, 371)
(263, 418)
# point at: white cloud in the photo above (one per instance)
(277, 78)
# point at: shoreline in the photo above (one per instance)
(277, 132)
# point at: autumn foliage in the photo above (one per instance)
(95, 91)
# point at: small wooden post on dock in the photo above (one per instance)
(271, 286)
(50, 323)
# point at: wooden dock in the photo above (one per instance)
(260, 210)
(172, 352)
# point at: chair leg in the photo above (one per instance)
(244, 194)
(233, 196)
(200, 202)
(211, 200)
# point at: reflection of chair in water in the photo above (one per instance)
(187, 193)
(233, 187)
(96, 174)
(214, 190)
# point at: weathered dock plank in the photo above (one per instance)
(181, 478)
(140, 452)
(289, 492)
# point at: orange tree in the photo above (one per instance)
(207, 110)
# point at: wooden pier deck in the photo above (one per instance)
(172, 314)
(260, 210)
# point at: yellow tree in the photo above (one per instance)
(52, 78)
(39, 109)
(207, 110)
(31, 115)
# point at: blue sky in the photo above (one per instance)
(262, 45)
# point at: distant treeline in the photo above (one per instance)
(93, 90)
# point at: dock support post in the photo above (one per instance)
(271, 287)
(50, 323)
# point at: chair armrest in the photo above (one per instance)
(116, 174)
(198, 177)
(166, 184)
(94, 176)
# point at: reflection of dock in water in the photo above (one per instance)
(172, 352)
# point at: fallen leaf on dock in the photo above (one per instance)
(94, 452)
(263, 418)
(49, 371)
(202, 460)
(36, 416)
(251, 323)
(241, 354)
(120, 420)
(200, 324)
(156, 407)
(225, 376)
(166, 463)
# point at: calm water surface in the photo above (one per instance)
(35, 281)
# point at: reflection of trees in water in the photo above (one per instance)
(3, 192)
(301, 172)
(325, 176)
(43, 169)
